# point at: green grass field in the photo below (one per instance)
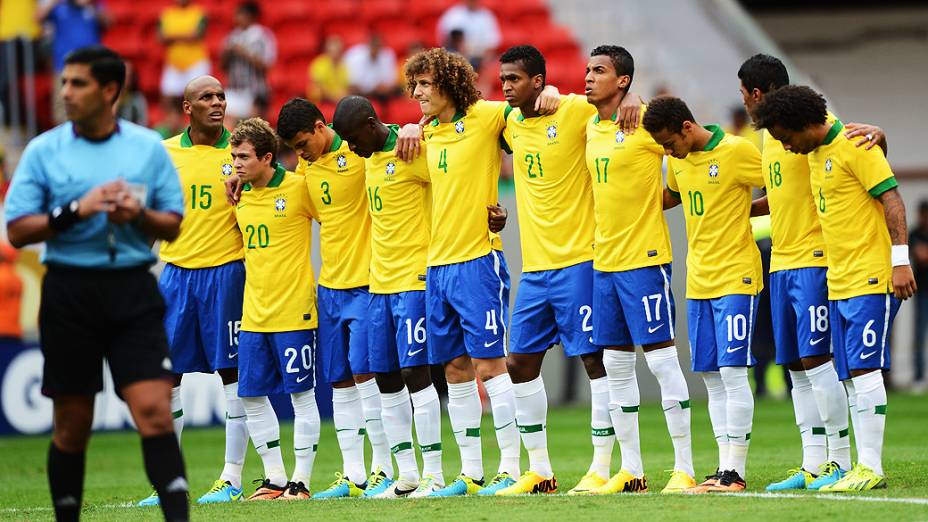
(115, 477)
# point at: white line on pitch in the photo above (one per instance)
(897, 500)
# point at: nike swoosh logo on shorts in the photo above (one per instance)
(487, 345)
(816, 341)
(303, 378)
(413, 354)
(656, 328)
(233, 355)
(730, 350)
(866, 355)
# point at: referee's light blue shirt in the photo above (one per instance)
(59, 166)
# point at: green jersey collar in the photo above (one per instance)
(457, 116)
(390, 144)
(597, 120)
(275, 181)
(833, 132)
(717, 135)
(336, 143)
(221, 143)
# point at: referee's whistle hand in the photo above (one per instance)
(100, 199)
(127, 209)
(233, 189)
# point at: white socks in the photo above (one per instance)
(236, 436)
(831, 400)
(265, 435)
(871, 415)
(397, 424)
(427, 415)
(675, 400)
(739, 414)
(601, 430)
(811, 427)
(370, 403)
(177, 412)
(503, 404)
(624, 402)
(531, 415)
(718, 400)
(306, 426)
(348, 418)
(852, 408)
(464, 413)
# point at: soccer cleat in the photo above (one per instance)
(399, 489)
(427, 486)
(222, 491)
(267, 491)
(796, 478)
(295, 491)
(500, 481)
(729, 482)
(861, 478)
(588, 483)
(711, 480)
(377, 483)
(529, 483)
(679, 482)
(340, 488)
(463, 485)
(150, 500)
(622, 482)
(830, 473)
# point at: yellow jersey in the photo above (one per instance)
(208, 234)
(846, 181)
(626, 171)
(714, 185)
(276, 225)
(464, 159)
(553, 194)
(183, 22)
(336, 188)
(399, 200)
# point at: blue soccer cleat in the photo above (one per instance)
(377, 483)
(464, 485)
(831, 472)
(500, 481)
(222, 491)
(796, 478)
(340, 488)
(150, 500)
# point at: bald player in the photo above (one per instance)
(204, 274)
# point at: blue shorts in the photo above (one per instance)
(396, 337)
(202, 316)
(278, 362)
(554, 306)
(633, 307)
(799, 311)
(466, 308)
(721, 331)
(342, 333)
(860, 328)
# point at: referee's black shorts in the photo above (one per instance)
(87, 315)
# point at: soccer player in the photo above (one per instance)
(554, 304)
(863, 224)
(632, 300)
(467, 281)
(97, 191)
(799, 296)
(399, 202)
(277, 342)
(204, 276)
(714, 172)
(335, 178)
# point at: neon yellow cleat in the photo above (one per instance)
(679, 482)
(588, 483)
(861, 478)
(623, 482)
(530, 483)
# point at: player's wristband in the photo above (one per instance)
(64, 217)
(900, 255)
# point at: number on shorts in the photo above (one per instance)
(306, 356)
(587, 312)
(417, 333)
(657, 306)
(869, 336)
(818, 318)
(737, 327)
(234, 327)
(491, 321)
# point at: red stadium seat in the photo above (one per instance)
(383, 10)
(400, 38)
(401, 110)
(342, 11)
(288, 11)
(350, 33)
(295, 41)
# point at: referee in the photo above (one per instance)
(98, 191)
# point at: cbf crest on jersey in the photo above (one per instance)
(342, 161)
(391, 168)
(280, 206)
(552, 132)
(714, 172)
(619, 136)
(828, 165)
(459, 127)
(226, 169)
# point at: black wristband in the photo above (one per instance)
(64, 217)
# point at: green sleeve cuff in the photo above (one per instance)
(507, 111)
(674, 193)
(504, 145)
(883, 186)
